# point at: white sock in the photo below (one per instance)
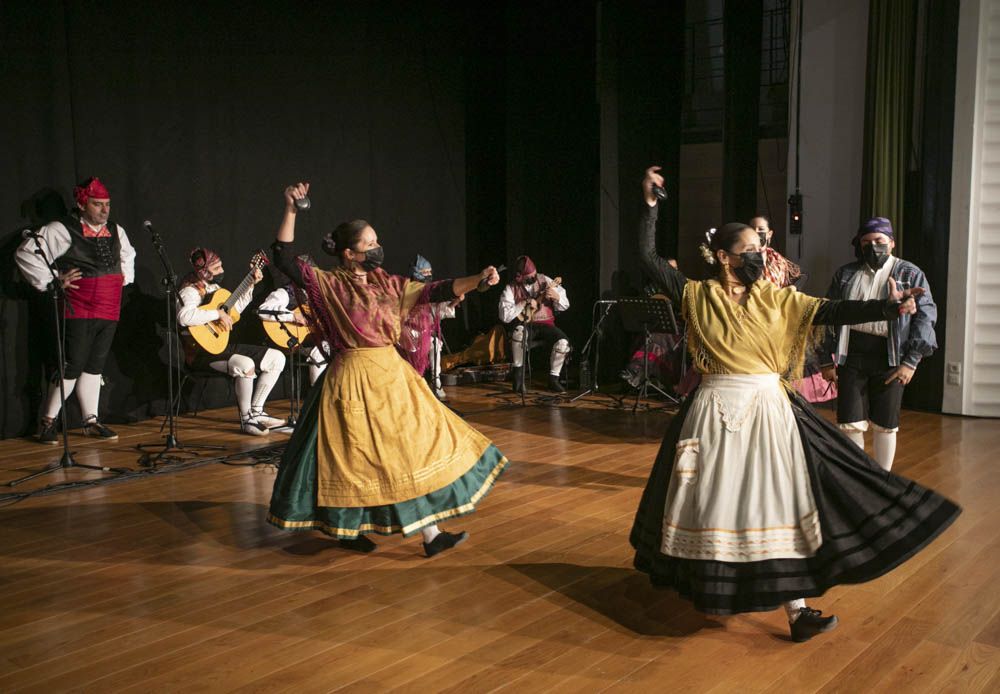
(51, 410)
(792, 609)
(88, 392)
(884, 443)
(559, 351)
(316, 365)
(315, 372)
(243, 385)
(858, 437)
(517, 345)
(429, 533)
(262, 388)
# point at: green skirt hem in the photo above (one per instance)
(406, 518)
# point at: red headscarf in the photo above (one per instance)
(91, 188)
(523, 268)
(201, 258)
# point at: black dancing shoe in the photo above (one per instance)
(48, 431)
(554, 385)
(92, 427)
(809, 623)
(359, 544)
(444, 541)
(517, 376)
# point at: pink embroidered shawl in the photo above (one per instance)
(350, 313)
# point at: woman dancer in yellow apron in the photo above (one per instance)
(374, 450)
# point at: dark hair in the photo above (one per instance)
(764, 217)
(346, 235)
(723, 239)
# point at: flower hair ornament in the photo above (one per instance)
(706, 251)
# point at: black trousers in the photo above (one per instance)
(862, 391)
(88, 342)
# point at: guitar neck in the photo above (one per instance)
(238, 293)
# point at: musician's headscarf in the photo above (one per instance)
(201, 258)
(524, 270)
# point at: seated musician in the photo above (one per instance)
(285, 305)
(245, 363)
(529, 305)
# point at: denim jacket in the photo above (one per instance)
(911, 337)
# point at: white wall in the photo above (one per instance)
(834, 52)
(972, 354)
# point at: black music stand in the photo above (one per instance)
(648, 316)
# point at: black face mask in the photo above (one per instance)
(751, 269)
(528, 281)
(763, 238)
(373, 259)
(216, 279)
(875, 255)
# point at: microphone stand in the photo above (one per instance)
(60, 299)
(595, 334)
(171, 442)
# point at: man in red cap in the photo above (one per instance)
(529, 304)
(95, 260)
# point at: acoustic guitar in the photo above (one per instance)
(212, 337)
(528, 314)
(282, 332)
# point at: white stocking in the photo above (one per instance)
(88, 392)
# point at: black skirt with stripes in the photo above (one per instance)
(872, 521)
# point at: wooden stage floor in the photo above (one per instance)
(172, 581)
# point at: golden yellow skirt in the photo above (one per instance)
(375, 451)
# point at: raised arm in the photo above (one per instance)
(282, 249)
(667, 279)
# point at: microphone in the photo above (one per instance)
(660, 192)
(303, 203)
(30, 233)
(148, 226)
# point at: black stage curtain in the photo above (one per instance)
(196, 116)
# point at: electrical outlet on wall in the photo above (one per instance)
(954, 373)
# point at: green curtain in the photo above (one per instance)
(892, 26)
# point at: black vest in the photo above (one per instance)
(94, 257)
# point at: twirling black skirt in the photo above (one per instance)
(872, 521)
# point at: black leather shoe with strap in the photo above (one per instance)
(811, 622)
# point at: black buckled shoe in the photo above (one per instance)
(444, 541)
(92, 427)
(48, 431)
(809, 623)
(359, 544)
(554, 385)
(517, 377)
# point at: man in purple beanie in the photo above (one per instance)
(872, 362)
